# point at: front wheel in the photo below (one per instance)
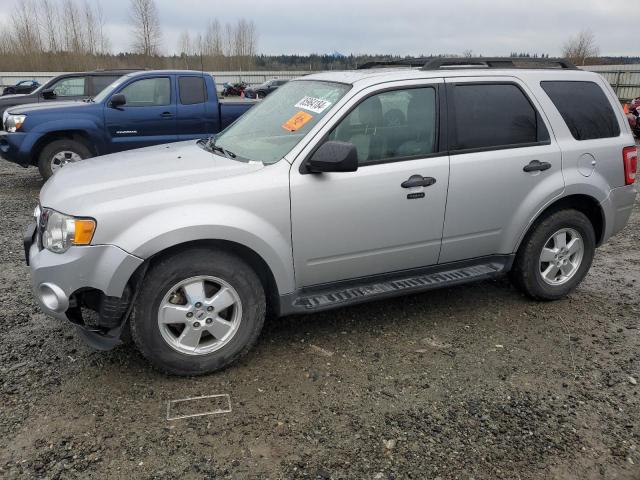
(555, 256)
(59, 153)
(198, 311)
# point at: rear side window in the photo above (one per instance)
(101, 81)
(69, 87)
(494, 115)
(584, 108)
(192, 90)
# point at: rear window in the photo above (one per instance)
(493, 116)
(584, 108)
(192, 90)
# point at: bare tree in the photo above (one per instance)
(104, 44)
(581, 47)
(213, 39)
(467, 53)
(146, 27)
(26, 31)
(50, 26)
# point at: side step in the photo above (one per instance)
(329, 298)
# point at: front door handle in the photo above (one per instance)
(418, 181)
(537, 166)
(166, 114)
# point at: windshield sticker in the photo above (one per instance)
(297, 121)
(316, 105)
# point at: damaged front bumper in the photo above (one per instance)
(88, 285)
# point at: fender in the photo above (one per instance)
(89, 127)
(166, 228)
(598, 189)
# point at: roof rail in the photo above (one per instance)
(497, 62)
(410, 62)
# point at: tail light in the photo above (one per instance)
(630, 160)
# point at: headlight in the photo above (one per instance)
(60, 231)
(13, 122)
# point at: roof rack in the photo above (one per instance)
(410, 62)
(497, 62)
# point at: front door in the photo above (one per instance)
(387, 216)
(148, 117)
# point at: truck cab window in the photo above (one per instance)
(148, 92)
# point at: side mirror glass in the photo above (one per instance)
(334, 157)
(118, 100)
(49, 94)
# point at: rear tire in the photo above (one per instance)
(158, 337)
(544, 269)
(58, 153)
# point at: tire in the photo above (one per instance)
(160, 344)
(260, 95)
(527, 272)
(72, 148)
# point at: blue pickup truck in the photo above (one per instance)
(137, 110)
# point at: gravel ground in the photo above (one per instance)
(468, 382)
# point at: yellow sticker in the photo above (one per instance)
(297, 121)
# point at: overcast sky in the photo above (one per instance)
(411, 27)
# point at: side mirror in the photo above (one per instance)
(49, 94)
(334, 157)
(118, 100)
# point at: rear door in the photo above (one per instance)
(196, 116)
(505, 166)
(148, 117)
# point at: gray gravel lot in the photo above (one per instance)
(468, 382)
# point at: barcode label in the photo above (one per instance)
(316, 105)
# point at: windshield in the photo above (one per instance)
(106, 91)
(269, 131)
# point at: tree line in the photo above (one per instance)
(52, 35)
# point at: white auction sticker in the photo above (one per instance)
(316, 105)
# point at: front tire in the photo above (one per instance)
(198, 311)
(59, 153)
(555, 256)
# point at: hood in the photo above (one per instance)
(142, 175)
(30, 108)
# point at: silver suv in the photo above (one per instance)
(339, 188)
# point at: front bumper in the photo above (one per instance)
(56, 277)
(15, 147)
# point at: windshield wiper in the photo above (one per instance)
(211, 145)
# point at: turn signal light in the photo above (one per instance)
(83, 232)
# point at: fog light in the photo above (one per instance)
(53, 297)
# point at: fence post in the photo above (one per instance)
(618, 83)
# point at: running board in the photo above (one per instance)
(326, 298)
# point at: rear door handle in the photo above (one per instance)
(166, 114)
(418, 181)
(536, 166)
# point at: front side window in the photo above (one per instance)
(69, 87)
(391, 125)
(270, 130)
(584, 108)
(148, 92)
(493, 115)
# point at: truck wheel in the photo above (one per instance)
(198, 311)
(58, 153)
(555, 256)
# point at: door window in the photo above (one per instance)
(148, 92)
(192, 90)
(487, 116)
(584, 108)
(69, 87)
(391, 125)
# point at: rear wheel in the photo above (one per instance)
(59, 153)
(555, 256)
(198, 311)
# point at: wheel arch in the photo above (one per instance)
(253, 259)
(585, 204)
(77, 135)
